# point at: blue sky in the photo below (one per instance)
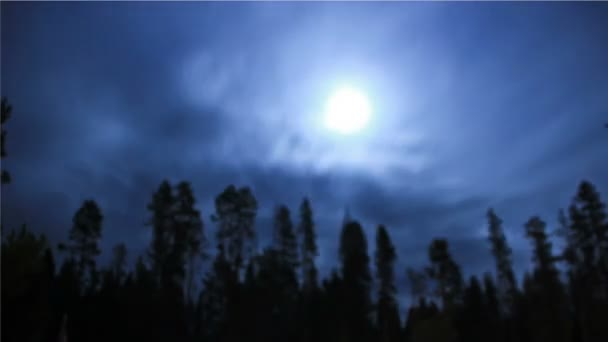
(475, 105)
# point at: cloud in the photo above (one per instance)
(474, 108)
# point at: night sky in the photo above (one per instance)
(474, 105)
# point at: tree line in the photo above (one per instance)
(276, 293)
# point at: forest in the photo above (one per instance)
(61, 293)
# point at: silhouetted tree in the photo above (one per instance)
(309, 246)
(446, 273)
(546, 287)
(83, 242)
(447, 278)
(27, 276)
(276, 296)
(144, 309)
(387, 309)
(334, 324)
(163, 225)
(213, 307)
(147, 302)
(235, 212)
(546, 303)
(587, 256)
(507, 286)
(310, 302)
(285, 238)
(356, 277)
(190, 241)
(492, 308)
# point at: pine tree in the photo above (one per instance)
(356, 277)
(446, 273)
(309, 246)
(507, 285)
(235, 212)
(587, 255)
(546, 274)
(83, 241)
(178, 237)
(163, 225)
(189, 242)
(310, 308)
(588, 231)
(285, 238)
(543, 302)
(387, 309)
(213, 303)
(276, 294)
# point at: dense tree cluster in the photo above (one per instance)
(186, 289)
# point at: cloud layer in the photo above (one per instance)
(475, 105)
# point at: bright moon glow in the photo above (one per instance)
(348, 111)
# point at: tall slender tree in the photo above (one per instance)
(544, 295)
(214, 299)
(285, 238)
(446, 274)
(356, 302)
(309, 252)
(83, 241)
(546, 271)
(235, 213)
(189, 242)
(587, 256)
(507, 285)
(387, 309)
(163, 224)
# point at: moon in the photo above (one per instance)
(348, 111)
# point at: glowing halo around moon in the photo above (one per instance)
(347, 111)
